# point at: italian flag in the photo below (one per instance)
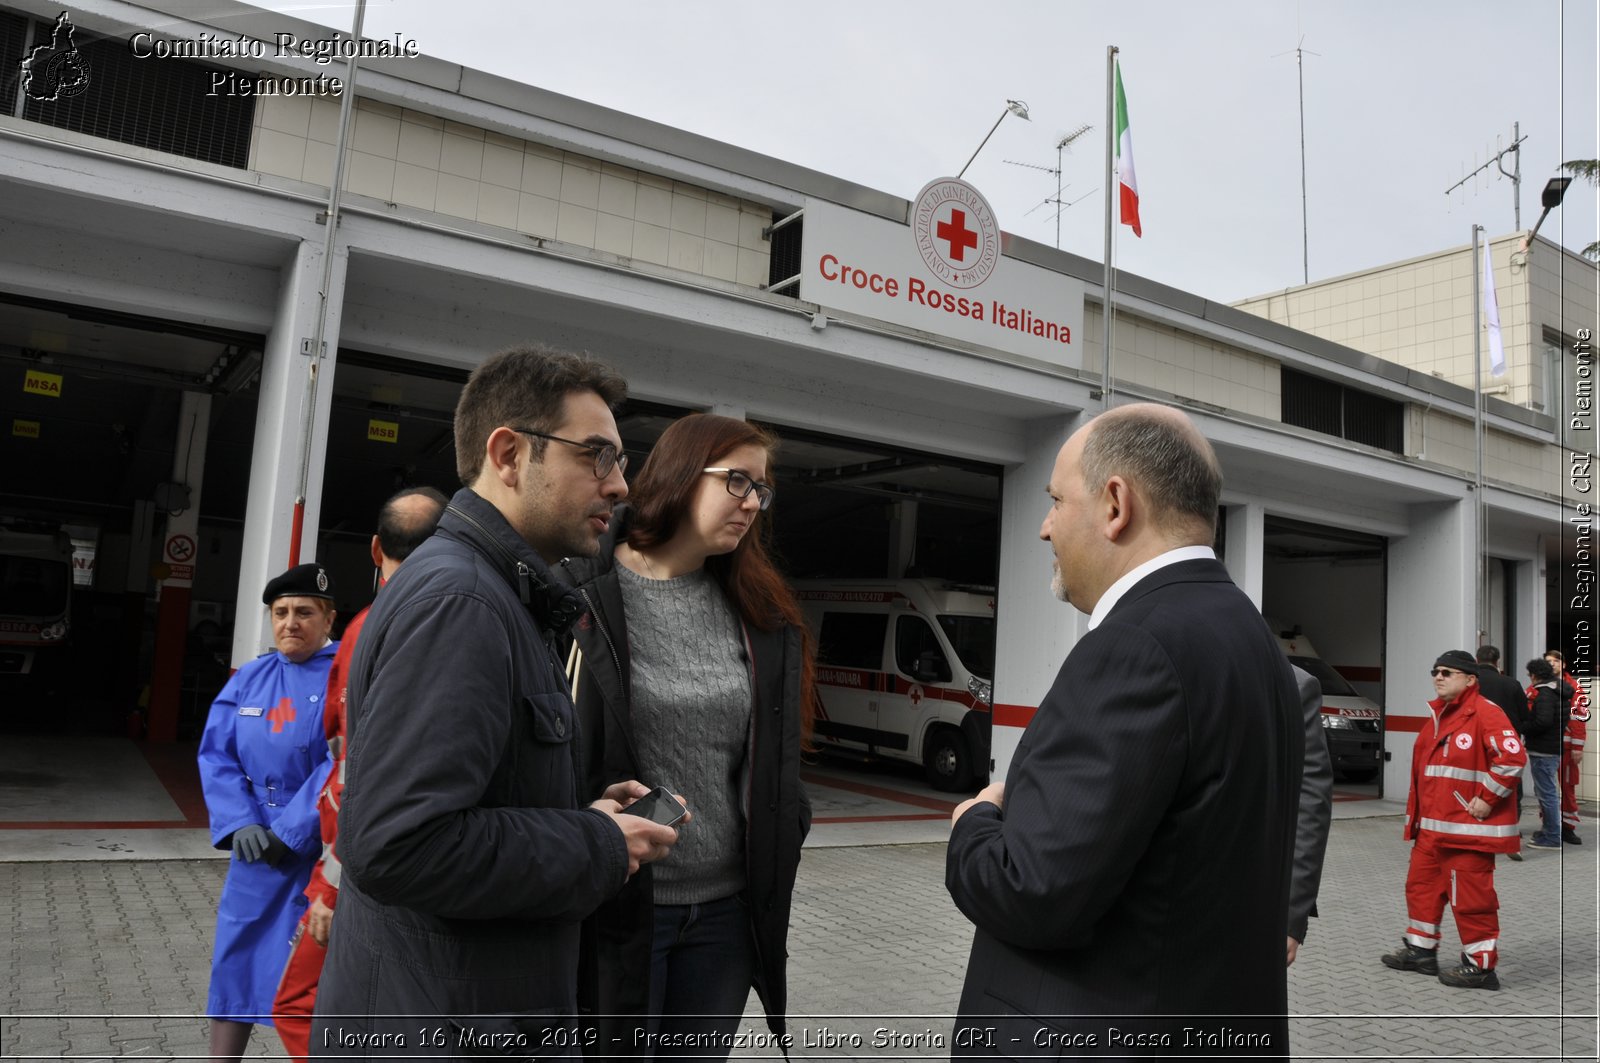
(1128, 184)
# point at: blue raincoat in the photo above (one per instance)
(263, 759)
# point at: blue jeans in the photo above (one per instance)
(702, 966)
(1544, 767)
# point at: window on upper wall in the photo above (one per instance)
(784, 261)
(1335, 409)
(157, 103)
(1565, 385)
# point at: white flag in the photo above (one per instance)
(1491, 315)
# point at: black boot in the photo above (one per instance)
(1570, 836)
(1470, 976)
(1409, 957)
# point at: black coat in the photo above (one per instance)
(469, 859)
(614, 978)
(1504, 692)
(1141, 864)
(1316, 810)
(1543, 719)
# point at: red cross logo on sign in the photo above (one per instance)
(955, 232)
(957, 235)
(282, 713)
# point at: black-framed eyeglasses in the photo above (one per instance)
(606, 456)
(740, 485)
(1444, 673)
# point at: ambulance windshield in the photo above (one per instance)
(972, 637)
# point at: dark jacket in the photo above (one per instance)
(1504, 691)
(469, 859)
(1543, 719)
(1316, 810)
(1138, 876)
(615, 974)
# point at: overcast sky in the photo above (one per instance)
(1402, 99)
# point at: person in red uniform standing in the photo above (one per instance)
(1571, 748)
(1460, 812)
(403, 523)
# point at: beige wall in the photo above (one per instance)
(1447, 439)
(1168, 361)
(1163, 358)
(1420, 313)
(417, 160)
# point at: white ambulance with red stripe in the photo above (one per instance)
(1352, 724)
(905, 670)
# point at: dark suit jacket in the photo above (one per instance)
(1141, 865)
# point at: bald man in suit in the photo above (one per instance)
(1129, 879)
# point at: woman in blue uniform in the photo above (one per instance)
(263, 759)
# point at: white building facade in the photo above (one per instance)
(477, 213)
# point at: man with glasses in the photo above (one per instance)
(1460, 812)
(468, 862)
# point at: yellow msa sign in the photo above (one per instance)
(37, 383)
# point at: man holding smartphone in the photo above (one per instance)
(468, 862)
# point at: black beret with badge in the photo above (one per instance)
(303, 581)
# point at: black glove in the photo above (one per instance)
(251, 841)
(276, 849)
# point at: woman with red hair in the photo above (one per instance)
(692, 670)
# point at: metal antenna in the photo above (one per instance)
(1498, 161)
(1300, 52)
(1061, 146)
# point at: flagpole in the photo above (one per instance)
(1482, 579)
(1111, 197)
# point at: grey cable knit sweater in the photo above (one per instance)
(691, 723)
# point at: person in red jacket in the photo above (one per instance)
(403, 523)
(1572, 749)
(1460, 812)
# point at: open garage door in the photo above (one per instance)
(90, 421)
(922, 529)
(1323, 589)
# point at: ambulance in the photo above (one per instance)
(1352, 724)
(35, 603)
(905, 670)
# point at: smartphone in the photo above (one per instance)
(658, 806)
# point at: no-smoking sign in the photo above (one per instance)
(180, 549)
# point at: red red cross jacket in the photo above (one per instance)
(1469, 749)
(1578, 723)
(325, 876)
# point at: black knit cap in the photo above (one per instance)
(303, 581)
(1460, 660)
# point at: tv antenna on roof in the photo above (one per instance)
(1300, 53)
(1061, 205)
(1498, 161)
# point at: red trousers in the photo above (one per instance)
(1463, 878)
(297, 992)
(1569, 789)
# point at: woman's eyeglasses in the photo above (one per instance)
(740, 485)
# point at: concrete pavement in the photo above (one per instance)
(107, 957)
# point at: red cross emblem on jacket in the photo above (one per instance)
(282, 713)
